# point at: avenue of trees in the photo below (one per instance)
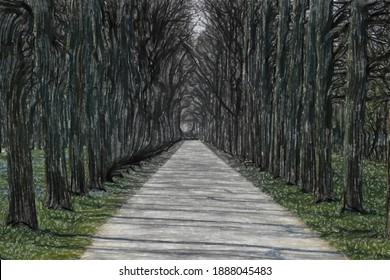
(284, 84)
(87, 81)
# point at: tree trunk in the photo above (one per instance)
(20, 176)
(49, 63)
(323, 105)
(16, 21)
(307, 157)
(277, 150)
(354, 108)
(294, 93)
(95, 91)
(264, 121)
(77, 98)
(388, 178)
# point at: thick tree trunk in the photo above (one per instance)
(323, 105)
(354, 108)
(20, 176)
(16, 64)
(49, 63)
(77, 98)
(96, 91)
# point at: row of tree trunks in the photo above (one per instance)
(294, 57)
(111, 76)
(278, 91)
(94, 72)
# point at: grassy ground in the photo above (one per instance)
(65, 234)
(358, 236)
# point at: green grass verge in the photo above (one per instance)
(65, 234)
(357, 236)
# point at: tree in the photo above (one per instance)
(78, 19)
(219, 70)
(265, 78)
(388, 178)
(307, 152)
(354, 109)
(16, 64)
(278, 106)
(294, 93)
(323, 102)
(51, 61)
(156, 31)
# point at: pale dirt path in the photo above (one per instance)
(197, 207)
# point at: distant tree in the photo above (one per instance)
(265, 78)
(219, 72)
(279, 95)
(307, 152)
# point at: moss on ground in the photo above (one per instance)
(66, 234)
(358, 236)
